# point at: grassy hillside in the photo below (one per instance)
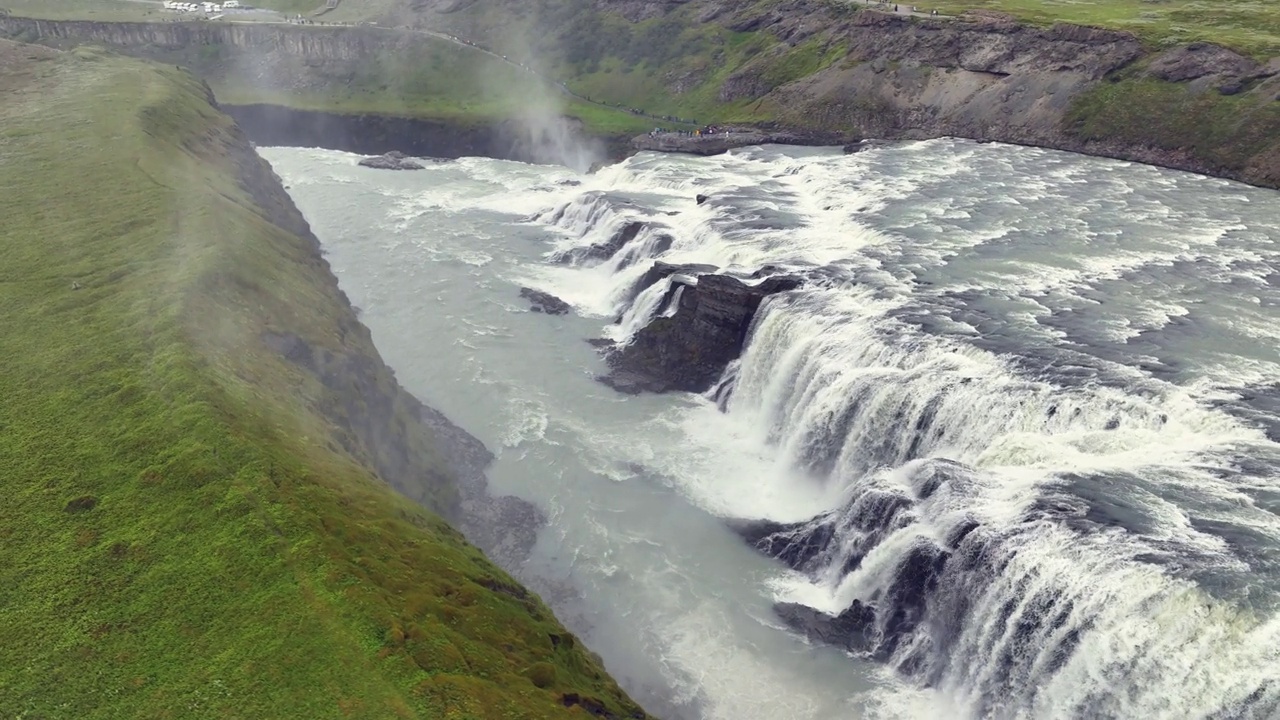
(191, 527)
(1249, 26)
(670, 65)
(1233, 135)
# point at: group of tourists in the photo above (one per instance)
(915, 10)
(701, 132)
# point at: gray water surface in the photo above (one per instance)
(1056, 281)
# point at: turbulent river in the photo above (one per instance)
(1018, 429)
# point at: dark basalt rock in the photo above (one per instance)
(689, 350)
(605, 250)
(629, 383)
(733, 137)
(542, 302)
(393, 160)
(854, 629)
(876, 630)
(795, 544)
(700, 198)
(661, 270)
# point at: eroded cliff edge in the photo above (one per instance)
(200, 443)
(808, 65)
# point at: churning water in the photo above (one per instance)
(1018, 430)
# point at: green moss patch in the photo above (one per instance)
(1250, 26)
(1225, 132)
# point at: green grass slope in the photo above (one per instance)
(1249, 26)
(1237, 136)
(190, 528)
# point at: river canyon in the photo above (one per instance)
(1003, 444)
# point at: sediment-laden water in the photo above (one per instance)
(1018, 428)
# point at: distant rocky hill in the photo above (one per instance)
(812, 66)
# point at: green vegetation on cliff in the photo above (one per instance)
(1233, 135)
(191, 526)
(1250, 26)
(818, 64)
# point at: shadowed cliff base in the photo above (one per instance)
(717, 140)
(376, 134)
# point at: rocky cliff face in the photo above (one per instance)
(1198, 107)
(848, 68)
(991, 79)
(373, 134)
(705, 329)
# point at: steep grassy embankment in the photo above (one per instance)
(196, 439)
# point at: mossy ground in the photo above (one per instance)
(1250, 26)
(1229, 133)
(180, 536)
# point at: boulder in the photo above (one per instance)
(1199, 60)
(854, 629)
(700, 198)
(542, 302)
(393, 160)
(629, 383)
(689, 350)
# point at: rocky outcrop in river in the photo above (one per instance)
(689, 349)
(544, 302)
(729, 138)
(394, 160)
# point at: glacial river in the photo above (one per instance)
(1027, 403)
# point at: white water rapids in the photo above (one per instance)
(1019, 424)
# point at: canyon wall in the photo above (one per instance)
(1198, 107)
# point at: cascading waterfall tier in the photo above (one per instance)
(1053, 502)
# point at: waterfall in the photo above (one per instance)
(1032, 527)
